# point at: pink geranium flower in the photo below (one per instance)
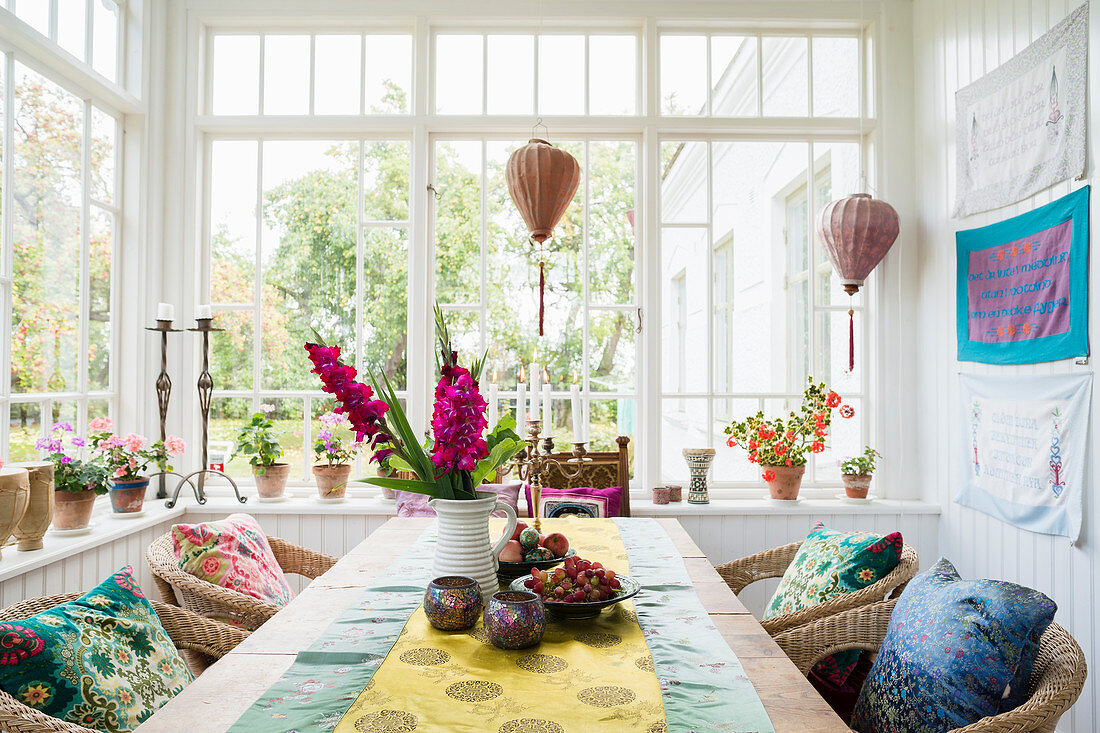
(175, 445)
(101, 425)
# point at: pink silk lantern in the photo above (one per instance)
(857, 232)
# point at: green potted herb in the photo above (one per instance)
(257, 440)
(856, 473)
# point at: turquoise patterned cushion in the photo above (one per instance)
(102, 661)
(956, 651)
(829, 564)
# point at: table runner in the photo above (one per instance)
(396, 676)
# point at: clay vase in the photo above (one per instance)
(40, 505)
(856, 485)
(787, 482)
(271, 480)
(73, 509)
(698, 460)
(128, 497)
(332, 481)
(15, 489)
(463, 546)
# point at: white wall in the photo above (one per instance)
(955, 43)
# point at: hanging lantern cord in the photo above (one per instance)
(851, 341)
(542, 293)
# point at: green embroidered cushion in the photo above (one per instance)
(828, 564)
(102, 661)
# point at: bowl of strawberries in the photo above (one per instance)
(578, 589)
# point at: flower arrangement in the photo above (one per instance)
(331, 447)
(70, 473)
(125, 458)
(789, 441)
(459, 454)
(863, 465)
(258, 440)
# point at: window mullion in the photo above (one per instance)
(85, 247)
(586, 308)
(258, 274)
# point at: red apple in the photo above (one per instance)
(557, 544)
(542, 540)
(512, 552)
(520, 526)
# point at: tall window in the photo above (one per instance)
(89, 30)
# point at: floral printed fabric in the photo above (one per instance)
(233, 553)
(102, 661)
(829, 564)
(952, 648)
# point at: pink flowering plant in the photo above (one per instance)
(70, 472)
(334, 446)
(126, 457)
(460, 452)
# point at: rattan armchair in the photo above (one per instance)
(739, 574)
(206, 640)
(1055, 684)
(213, 601)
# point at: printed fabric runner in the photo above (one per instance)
(656, 663)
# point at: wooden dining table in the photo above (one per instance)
(221, 694)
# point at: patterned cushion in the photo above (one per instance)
(233, 553)
(829, 564)
(411, 504)
(580, 500)
(102, 661)
(955, 651)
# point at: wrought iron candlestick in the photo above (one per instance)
(164, 388)
(532, 462)
(206, 387)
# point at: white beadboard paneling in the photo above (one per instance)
(955, 43)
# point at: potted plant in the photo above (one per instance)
(856, 473)
(781, 445)
(258, 440)
(126, 458)
(77, 482)
(333, 451)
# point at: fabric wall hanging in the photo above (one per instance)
(1021, 127)
(1022, 285)
(1021, 449)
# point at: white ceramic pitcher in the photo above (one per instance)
(462, 546)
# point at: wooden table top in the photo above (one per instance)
(221, 695)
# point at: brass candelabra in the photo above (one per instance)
(532, 462)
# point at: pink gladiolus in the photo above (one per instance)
(134, 442)
(458, 421)
(101, 425)
(354, 398)
(174, 445)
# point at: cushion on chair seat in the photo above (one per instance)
(579, 500)
(955, 651)
(232, 553)
(103, 661)
(831, 563)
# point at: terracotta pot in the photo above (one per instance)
(73, 509)
(787, 482)
(39, 506)
(15, 489)
(856, 485)
(332, 481)
(128, 497)
(271, 480)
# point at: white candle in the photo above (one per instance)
(165, 312)
(578, 417)
(493, 402)
(521, 404)
(547, 406)
(533, 412)
(204, 311)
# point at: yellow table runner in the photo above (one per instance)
(585, 675)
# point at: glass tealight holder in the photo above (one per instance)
(453, 602)
(515, 619)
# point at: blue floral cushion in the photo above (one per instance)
(102, 661)
(955, 651)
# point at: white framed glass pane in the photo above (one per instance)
(612, 172)
(844, 441)
(733, 74)
(786, 76)
(612, 352)
(336, 77)
(831, 353)
(233, 220)
(286, 75)
(105, 38)
(683, 75)
(287, 414)
(836, 175)
(227, 415)
(683, 425)
(235, 78)
(465, 328)
(387, 84)
(732, 464)
(35, 13)
(104, 155)
(836, 77)
(24, 430)
(386, 180)
(101, 245)
(608, 419)
(231, 350)
(386, 302)
(561, 75)
(458, 221)
(612, 75)
(684, 182)
(71, 19)
(458, 74)
(511, 67)
(684, 337)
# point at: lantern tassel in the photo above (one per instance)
(851, 340)
(542, 293)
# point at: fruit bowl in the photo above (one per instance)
(508, 571)
(590, 609)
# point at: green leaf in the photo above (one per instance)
(501, 453)
(401, 484)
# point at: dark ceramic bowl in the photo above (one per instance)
(577, 611)
(508, 571)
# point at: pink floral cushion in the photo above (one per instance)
(410, 504)
(233, 553)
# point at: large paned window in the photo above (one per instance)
(89, 30)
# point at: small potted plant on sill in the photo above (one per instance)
(856, 473)
(258, 440)
(782, 445)
(77, 482)
(333, 451)
(126, 458)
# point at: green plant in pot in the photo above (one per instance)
(77, 482)
(333, 451)
(125, 460)
(258, 440)
(856, 473)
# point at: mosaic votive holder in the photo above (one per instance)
(515, 619)
(453, 602)
(661, 495)
(675, 492)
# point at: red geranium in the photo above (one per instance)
(769, 475)
(833, 399)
